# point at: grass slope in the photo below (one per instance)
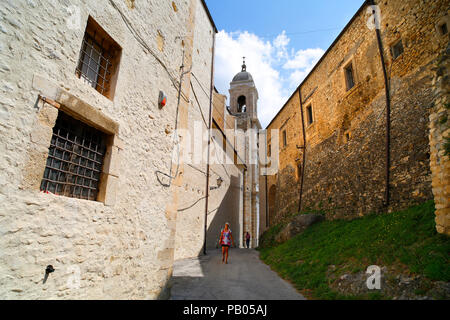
(406, 239)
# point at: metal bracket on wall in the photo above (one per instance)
(50, 102)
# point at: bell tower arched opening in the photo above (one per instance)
(242, 104)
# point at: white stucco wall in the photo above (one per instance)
(121, 251)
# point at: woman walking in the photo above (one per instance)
(226, 239)
(247, 239)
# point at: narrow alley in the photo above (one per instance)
(245, 277)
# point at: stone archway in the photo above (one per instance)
(272, 201)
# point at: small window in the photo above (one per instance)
(349, 76)
(99, 59)
(347, 136)
(309, 115)
(269, 153)
(75, 159)
(397, 49)
(443, 30)
(284, 138)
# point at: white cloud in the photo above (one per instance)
(276, 72)
(280, 43)
(304, 59)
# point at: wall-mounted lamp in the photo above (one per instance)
(219, 183)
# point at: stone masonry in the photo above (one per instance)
(439, 136)
(344, 172)
(123, 245)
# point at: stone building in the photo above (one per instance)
(335, 151)
(104, 112)
(244, 108)
(90, 181)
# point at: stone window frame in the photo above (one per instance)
(308, 124)
(75, 159)
(109, 54)
(51, 100)
(347, 136)
(346, 68)
(392, 48)
(349, 61)
(444, 20)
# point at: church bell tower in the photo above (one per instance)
(243, 94)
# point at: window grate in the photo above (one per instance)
(94, 64)
(75, 159)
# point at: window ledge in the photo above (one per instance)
(352, 90)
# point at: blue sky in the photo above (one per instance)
(282, 40)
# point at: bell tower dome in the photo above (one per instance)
(243, 94)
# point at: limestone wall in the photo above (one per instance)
(122, 247)
(439, 141)
(345, 157)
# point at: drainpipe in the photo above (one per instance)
(267, 204)
(209, 142)
(388, 114)
(304, 150)
(243, 202)
(241, 206)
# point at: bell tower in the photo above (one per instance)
(243, 94)
(244, 111)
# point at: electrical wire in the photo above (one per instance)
(142, 42)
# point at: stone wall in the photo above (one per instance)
(344, 174)
(123, 246)
(439, 137)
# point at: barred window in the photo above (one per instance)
(99, 59)
(75, 159)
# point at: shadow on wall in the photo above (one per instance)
(228, 211)
(272, 204)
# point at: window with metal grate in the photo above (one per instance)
(75, 159)
(99, 59)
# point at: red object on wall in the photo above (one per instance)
(162, 99)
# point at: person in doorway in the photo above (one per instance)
(226, 239)
(247, 239)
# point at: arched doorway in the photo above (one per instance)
(272, 201)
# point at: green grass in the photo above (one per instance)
(407, 240)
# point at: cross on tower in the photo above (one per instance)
(244, 67)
